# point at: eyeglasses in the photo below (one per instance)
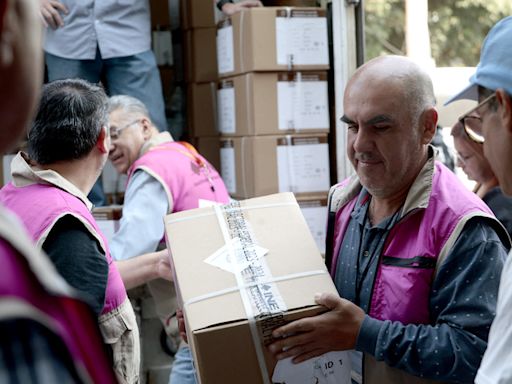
(114, 134)
(472, 121)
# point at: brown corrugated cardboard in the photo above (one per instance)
(197, 14)
(200, 55)
(216, 305)
(273, 39)
(160, 16)
(260, 165)
(266, 103)
(209, 147)
(314, 209)
(202, 109)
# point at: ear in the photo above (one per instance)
(428, 124)
(147, 128)
(103, 143)
(505, 109)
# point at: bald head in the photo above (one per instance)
(405, 80)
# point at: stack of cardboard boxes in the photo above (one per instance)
(198, 23)
(273, 110)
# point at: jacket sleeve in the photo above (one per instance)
(462, 308)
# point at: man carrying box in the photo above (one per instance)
(415, 256)
(164, 176)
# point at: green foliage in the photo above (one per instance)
(457, 28)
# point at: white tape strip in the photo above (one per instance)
(229, 210)
(226, 291)
(244, 295)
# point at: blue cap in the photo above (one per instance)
(495, 68)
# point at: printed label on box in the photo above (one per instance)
(301, 41)
(303, 168)
(162, 47)
(225, 53)
(227, 168)
(302, 105)
(226, 107)
(330, 368)
(316, 218)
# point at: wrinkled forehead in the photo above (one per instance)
(369, 96)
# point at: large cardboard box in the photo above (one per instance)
(273, 39)
(277, 272)
(209, 147)
(260, 165)
(160, 15)
(266, 103)
(202, 109)
(198, 14)
(108, 219)
(314, 209)
(200, 55)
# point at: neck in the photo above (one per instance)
(82, 173)
(486, 186)
(380, 208)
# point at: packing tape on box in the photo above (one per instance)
(237, 225)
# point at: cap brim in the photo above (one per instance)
(468, 93)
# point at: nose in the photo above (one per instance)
(362, 141)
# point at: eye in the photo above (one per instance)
(353, 128)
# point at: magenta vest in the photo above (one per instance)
(402, 294)
(39, 206)
(67, 317)
(180, 171)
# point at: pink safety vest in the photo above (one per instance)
(49, 203)
(67, 317)
(402, 294)
(185, 175)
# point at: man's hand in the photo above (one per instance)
(51, 13)
(181, 325)
(230, 8)
(309, 337)
(163, 266)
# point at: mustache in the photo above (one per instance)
(365, 156)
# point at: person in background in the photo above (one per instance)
(107, 41)
(445, 154)
(413, 253)
(68, 146)
(229, 8)
(49, 335)
(470, 157)
(164, 176)
(491, 86)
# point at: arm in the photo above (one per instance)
(463, 303)
(51, 13)
(229, 8)
(142, 225)
(78, 257)
(141, 269)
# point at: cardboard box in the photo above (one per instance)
(198, 14)
(216, 305)
(273, 39)
(200, 48)
(160, 15)
(162, 46)
(202, 109)
(260, 165)
(108, 218)
(264, 103)
(314, 209)
(209, 147)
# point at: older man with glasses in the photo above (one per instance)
(491, 85)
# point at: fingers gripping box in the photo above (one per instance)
(242, 270)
